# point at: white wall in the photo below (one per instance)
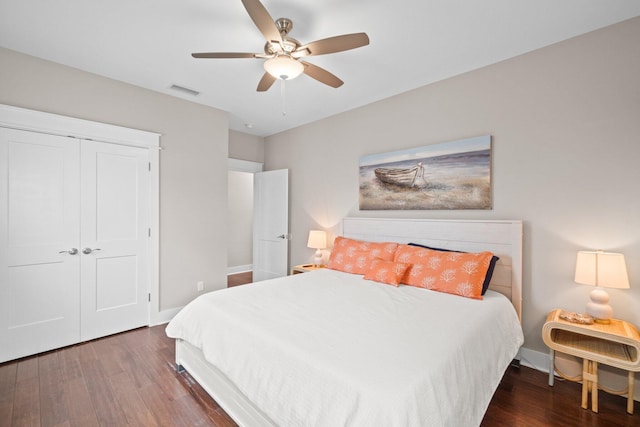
(193, 163)
(240, 222)
(565, 122)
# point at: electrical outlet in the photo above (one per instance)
(200, 285)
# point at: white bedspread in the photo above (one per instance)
(327, 348)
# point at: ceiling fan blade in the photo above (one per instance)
(224, 55)
(263, 20)
(266, 82)
(333, 45)
(321, 75)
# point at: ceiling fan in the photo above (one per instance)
(283, 53)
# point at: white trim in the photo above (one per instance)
(244, 166)
(165, 316)
(239, 269)
(154, 239)
(534, 359)
(54, 124)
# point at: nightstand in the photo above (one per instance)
(616, 344)
(304, 268)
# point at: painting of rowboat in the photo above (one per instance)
(450, 175)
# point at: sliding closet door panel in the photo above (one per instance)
(39, 226)
(115, 195)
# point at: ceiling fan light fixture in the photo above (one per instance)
(283, 67)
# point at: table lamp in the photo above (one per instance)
(602, 270)
(317, 240)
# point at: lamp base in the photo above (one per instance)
(599, 307)
(317, 259)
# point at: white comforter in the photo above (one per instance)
(327, 348)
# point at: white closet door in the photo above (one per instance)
(39, 220)
(115, 221)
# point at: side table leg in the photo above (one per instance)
(594, 386)
(630, 391)
(585, 383)
(552, 363)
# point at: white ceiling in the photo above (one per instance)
(413, 43)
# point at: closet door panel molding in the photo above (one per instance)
(114, 197)
(39, 218)
(47, 219)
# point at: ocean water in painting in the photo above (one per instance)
(457, 180)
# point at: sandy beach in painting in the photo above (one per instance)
(452, 181)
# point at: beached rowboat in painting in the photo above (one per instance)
(404, 177)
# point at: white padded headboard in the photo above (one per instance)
(503, 238)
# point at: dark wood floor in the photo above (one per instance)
(239, 279)
(129, 379)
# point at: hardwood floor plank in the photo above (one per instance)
(79, 405)
(8, 377)
(110, 354)
(70, 361)
(199, 395)
(239, 279)
(26, 404)
(53, 408)
(27, 368)
(103, 398)
(163, 408)
(158, 368)
(133, 406)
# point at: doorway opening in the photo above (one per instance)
(240, 221)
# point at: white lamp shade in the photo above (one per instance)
(603, 269)
(317, 239)
(283, 67)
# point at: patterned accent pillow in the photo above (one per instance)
(455, 273)
(355, 256)
(388, 272)
(487, 278)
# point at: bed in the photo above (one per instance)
(328, 348)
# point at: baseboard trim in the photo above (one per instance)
(239, 269)
(164, 316)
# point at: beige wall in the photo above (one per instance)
(243, 146)
(193, 162)
(565, 122)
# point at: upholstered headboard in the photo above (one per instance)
(503, 238)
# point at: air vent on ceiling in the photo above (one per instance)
(185, 90)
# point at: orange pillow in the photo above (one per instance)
(388, 272)
(355, 256)
(455, 273)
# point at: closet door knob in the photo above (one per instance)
(71, 251)
(87, 251)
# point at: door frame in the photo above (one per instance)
(54, 124)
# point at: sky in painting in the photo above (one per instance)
(435, 150)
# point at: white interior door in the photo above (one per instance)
(270, 224)
(39, 234)
(115, 226)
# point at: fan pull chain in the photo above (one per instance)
(284, 98)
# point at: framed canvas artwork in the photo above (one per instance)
(450, 175)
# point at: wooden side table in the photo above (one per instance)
(305, 268)
(616, 344)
